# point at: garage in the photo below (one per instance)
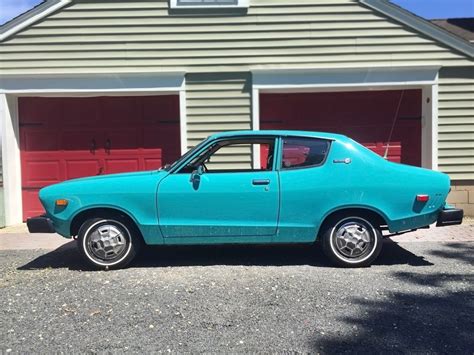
(366, 116)
(64, 138)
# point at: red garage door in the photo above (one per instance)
(66, 138)
(366, 116)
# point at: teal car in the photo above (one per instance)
(251, 187)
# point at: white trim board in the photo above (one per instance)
(11, 159)
(97, 83)
(429, 127)
(183, 119)
(343, 78)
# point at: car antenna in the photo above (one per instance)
(393, 125)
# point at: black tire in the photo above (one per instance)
(351, 241)
(115, 250)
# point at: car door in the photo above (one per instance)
(307, 187)
(221, 195)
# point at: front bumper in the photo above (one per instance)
(40, 224)
(450, 217)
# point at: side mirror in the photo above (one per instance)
(196, 174)
(200, 170)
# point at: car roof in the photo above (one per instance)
(280, 133)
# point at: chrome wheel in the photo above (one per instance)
(107, 242)
(352, 239)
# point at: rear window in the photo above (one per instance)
(304, 152)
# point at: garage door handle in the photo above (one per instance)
(259, 182)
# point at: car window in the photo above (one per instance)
(304, 152)
(235, 156)
(186, 155)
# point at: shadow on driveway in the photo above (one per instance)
(411, 320)
(431, 313)
(67, 256)
(458, 251)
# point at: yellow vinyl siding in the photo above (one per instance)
(115, 36)
(456, 122)
(142, 36)
(231, 110)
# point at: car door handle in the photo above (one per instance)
(260, 182)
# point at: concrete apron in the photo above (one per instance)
(23, 241)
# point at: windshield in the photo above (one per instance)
(185, 156)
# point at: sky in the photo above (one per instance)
(429, 9)
(12, 8)
(438, 9)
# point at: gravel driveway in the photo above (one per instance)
(417, 298)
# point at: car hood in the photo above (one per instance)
(101, 183)
(111, 176)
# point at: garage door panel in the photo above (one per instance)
(84, 141)
(80, 112)
(366, 106)
(118, 141)
(39, 110)
(121, 110)
(41, 173)
(366, 116)
(114, 166)
(168, 136)
(38, 140)
(152, 136)
(169, 156)
(159, 108)
(82, 168)
(152, 163)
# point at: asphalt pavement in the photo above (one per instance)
(417, 298)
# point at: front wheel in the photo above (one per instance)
(107, 243)
(352, 241)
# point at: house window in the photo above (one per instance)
(206, 2)
(180, 4)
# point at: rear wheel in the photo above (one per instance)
(352, 241)
(108, 243)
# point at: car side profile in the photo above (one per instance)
(251, 187)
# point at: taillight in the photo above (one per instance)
(422, 198)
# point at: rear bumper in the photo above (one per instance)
(40, 224)
(450, 217)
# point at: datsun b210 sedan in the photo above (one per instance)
(300, 187)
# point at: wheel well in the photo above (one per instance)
(102, 213)
(375, 218)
